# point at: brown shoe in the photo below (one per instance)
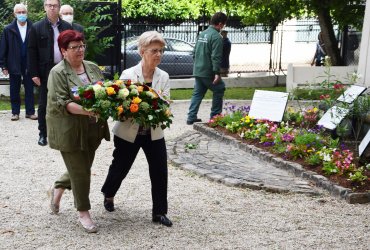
(14, 117)
(32, 117)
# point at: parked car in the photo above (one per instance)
(177, 59)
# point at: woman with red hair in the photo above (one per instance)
(72, 130)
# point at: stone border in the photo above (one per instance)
(292, 167)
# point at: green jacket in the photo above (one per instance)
(69, 132)
(208, 53)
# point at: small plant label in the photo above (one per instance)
(333, 117)
(351, 94)
(364, 143)
(268, 105)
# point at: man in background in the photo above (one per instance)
(13, 62)
(320, 52)
(225, 62)
(43, 54)
(207, 60)
(66, 13)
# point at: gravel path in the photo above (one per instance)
(206, 215)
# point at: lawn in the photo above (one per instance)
(180, 94)
(230, 93)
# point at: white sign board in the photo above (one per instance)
(268, 105)
(332, 117)
(351, 93)
(364, 143)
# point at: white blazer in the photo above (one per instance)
(127, 130)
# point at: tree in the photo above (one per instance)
(167, 10)
(328, 13)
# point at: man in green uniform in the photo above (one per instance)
(207, 60)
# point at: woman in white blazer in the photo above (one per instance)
(129, 137)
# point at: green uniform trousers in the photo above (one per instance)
(78, 175)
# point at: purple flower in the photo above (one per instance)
(268, 144)
(287, 137)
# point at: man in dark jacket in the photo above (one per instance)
(43, 54)
(13, 61)
(66, 13)
(225, 62)
(207, 60)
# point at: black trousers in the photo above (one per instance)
(41, 111)
(124, 156)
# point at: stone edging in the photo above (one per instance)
(294, 168)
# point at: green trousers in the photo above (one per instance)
(78, 175)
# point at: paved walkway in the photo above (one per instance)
(232, 166)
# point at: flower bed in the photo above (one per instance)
(298, 139)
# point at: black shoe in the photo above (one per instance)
(43, 141)
(162, 219)
(109, 205)
(191, 122)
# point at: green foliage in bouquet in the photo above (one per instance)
(124, 100)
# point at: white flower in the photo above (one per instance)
(326, 157)
(96, 87)
(123, 93)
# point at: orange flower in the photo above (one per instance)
(120, 110)
(140, 89)
(168, 112)
(100, 83)
(134, 108)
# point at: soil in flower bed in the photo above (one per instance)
(341, 180)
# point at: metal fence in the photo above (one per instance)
(255, 48)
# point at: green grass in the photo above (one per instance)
(230, 93)
(179, 94)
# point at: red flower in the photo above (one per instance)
(155, 104)
(89, 94)
(324, 97)
(338, 86)
(116, 88)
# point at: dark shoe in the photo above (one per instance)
(162, 219)
(191, 122)
(32, 117)
(109, 205)
(43, 141)
(14, 117)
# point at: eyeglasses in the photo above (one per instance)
(52, 6)
(21, 12)
(78, 47)
(156, 51)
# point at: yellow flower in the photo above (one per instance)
(154, 93)
(291, 110)
(168, 112)
(315, 110)
(136, 100)
(119, 82)
(110, 91)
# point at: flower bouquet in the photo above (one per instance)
(123, 100)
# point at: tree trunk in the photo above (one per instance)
(330, 41)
